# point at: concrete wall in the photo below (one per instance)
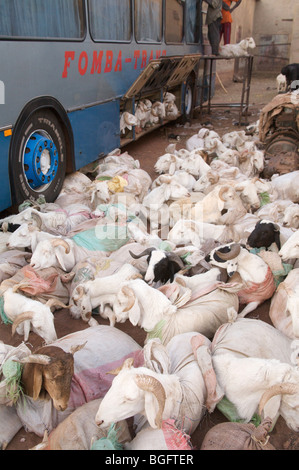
(243, 20)
(276, 32)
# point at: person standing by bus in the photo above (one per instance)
(213, 21)
(226, 22)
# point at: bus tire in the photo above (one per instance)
(189, 98)
(38, 158)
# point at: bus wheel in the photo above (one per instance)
(188, 98)
(39, 148)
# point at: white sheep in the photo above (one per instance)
(237, 50)
(168, 163)
(57, 252)
(290, 248)
(171, 385)
(127, 121)
(251, 162)
(27, 236)
(99, 292)
(283, 310)
(286, 186)
(195, 164)
(210, 208)
(195, 142)
(157, 113)
(281, 83)
(255, 273)
(291, 216)
(30, 314)
(254, 362)
(161, 317)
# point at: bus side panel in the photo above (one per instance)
(5, 200)
(96, 131)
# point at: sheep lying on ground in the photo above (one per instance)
(284, 305)
(173, 309)
(77, 380)
(255, 273)
(286, 186)
(253, 363)
(27, 236)
(171, 385)
(100, 292)
(29, 314)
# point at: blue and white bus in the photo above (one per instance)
(68, 70)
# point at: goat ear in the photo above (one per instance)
(151, 407)
(172, 168)
(277, 239)
(134, 313)
(32, 379)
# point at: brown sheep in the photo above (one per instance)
(48, 374)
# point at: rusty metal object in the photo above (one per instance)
(281, 153)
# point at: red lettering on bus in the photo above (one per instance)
(136, 56)
(109, 57)
(158, 53)
(68, 56)
(144, 57)
(151, 56)
(163, 52)
(83, 58)
(97, 62)
(118, 65)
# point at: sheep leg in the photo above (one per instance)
(249, 308)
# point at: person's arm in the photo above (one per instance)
(225, 6)
(235, 6)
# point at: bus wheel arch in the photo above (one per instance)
(41, 151)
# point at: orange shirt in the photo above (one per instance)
(226, 15)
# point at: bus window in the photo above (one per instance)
(174, 19)
(148, 20)
(193, 21)
(110, 21)
(57, 19)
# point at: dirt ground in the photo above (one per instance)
(147, 150)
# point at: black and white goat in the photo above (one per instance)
(162, 265)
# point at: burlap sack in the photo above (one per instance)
(238, 436)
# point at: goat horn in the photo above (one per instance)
(56, 303)
(77, 347)
(151, 384)
(60, 242)
(28, 315)
(277, 389)
(37, 219)
(222, 191)
(131, 297)
(80, 290)
(144, 253)
(235, 250)
(127, 364)
(35, 359)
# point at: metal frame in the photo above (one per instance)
(245, 93)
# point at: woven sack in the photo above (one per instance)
(238, 436)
